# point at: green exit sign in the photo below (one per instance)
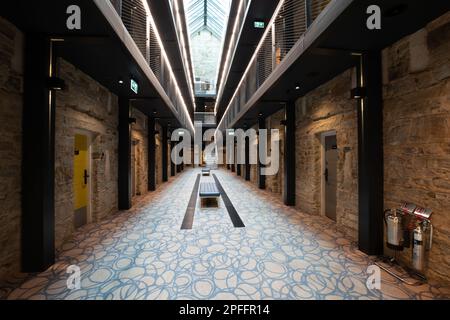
(134, 86)
(259, 24)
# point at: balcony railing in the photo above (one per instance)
(291, 20)
(231, 47)
(136, 17)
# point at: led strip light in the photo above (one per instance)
(228, 56)
(166, 58)
(266, 32)
(185, 55)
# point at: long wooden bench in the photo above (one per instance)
(209, 193)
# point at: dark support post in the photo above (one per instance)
(261, 178)
(182, 157)
(38, 166)
(247, 159)
(124, 154)
(173, 168)
(238, 169)
(370, 156)
(308, 11)
(165, 163)
(151, 155)
(289, 154)
(233, 165)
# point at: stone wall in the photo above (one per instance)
(88, 108)
(11, 105)
(417, 131)
(139, 159)
(328, 108)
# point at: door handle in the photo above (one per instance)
(86, 176)
(326, 175)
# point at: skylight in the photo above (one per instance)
(207, 21)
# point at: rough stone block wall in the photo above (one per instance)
(84, 107)
(139, 136)
(11, 105)
(274, 183)
(328, 108)
(417, 132)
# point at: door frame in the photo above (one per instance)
(90, 138)
(323, 135)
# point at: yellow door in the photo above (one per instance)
(81, 180)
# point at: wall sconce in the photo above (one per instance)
(132, 120)
(358, 93)
(54, 83)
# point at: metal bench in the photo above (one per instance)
(206, 172)
(209, 193)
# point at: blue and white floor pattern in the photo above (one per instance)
(280, 254)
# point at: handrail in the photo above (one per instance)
(138, 21)
(291, 20)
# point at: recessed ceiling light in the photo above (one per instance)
(120, 81)
(297, 87)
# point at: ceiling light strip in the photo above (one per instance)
(266, 32)
(231, 46)
(184, 51)
(166, 58)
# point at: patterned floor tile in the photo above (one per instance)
(280, 254)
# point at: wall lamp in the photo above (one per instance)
(132, 120)
(55, 83)
(358, 93)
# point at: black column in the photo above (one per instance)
(38, 164)
(233, 165)
(182, 157)
(124, 154)
(165, 163)
(173, 168)
(247, 159)
(238, 169)
(289, 155)
(261, 178)
(370, 156)
(151, 155)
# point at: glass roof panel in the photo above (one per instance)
(207, 22)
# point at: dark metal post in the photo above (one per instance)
(165, 149)
(289, 154)
(151, 155)
(233, 165)
(173, 168)
(38, 164)
(124, 154)
(247, 159)
(308, 12)
(370, 156)
(261, 178)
